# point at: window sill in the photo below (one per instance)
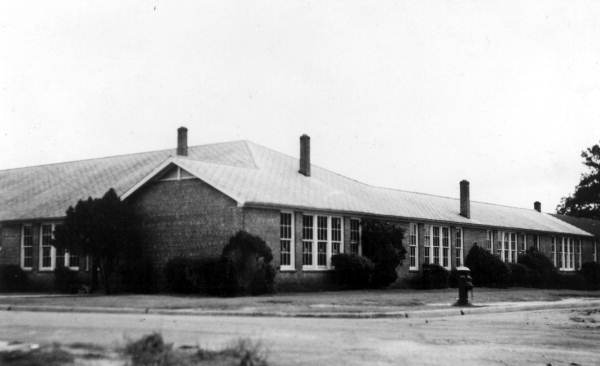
(567, 269)
(317, 269)
(46, 270)
(73, 268)
(284, 269)
(27, 269)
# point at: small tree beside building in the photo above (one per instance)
(103, 229)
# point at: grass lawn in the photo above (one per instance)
(332, 301)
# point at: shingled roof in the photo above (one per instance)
(590, 225)
(252, 175)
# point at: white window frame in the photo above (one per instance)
(554, 249)
(292, 265)
(315, 241)
(567, 254)
(489, 241)
(22, 255)
(462, 246)
(413, 242)
(359, 243)
(506, 247)
(430, 248)
(68, 261)
(52, 266)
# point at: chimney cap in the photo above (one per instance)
(537, 205)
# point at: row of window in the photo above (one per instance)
(566, 251)
(436, 246)
(322, 238)
(49, 257)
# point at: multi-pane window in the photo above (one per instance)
(566, 254)
(536, 242)
(413, 240)
(427, 244)
(577, 254)
(522, 244)
(437, 246)
(322, 238)
(307, 240)
(489, 242)
(446, 247)
(559, 253)
(354, 236)
(554, 252)
(47, 251)
(458, 247)
(336, 235)
(508, 247)
(286, 240)
(72, 260)
(26, 247)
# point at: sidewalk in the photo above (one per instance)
(351, 304)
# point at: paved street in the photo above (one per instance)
(559, 337)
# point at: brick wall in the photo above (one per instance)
(184, 218)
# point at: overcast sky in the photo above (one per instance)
(415, 95)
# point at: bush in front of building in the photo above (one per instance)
(244, 268)
(543, 273)
(591, 273)
(13, 278)
(352, 271)
(138, 276)
(434, 276)
(251, 259)
(382, 244)
(520, 275)
(487, 270)
(66, 280)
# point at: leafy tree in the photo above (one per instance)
(102, 228)
(382, 244)
(585, 201)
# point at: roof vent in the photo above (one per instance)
(304, 155)
(182, 146)
(465, 200)
(537, 206)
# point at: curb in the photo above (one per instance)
(427, 313)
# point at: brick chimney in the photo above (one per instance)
(465, 200)
(537, 206)
(182, 146)
(304, 155)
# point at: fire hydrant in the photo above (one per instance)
(465, 284)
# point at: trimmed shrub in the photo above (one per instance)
(543, 273)
(520, 275)
(138, 276)
(13, 278)
(352, 271)
(434, 276)
(177, 276)
(571, 281)
(591, 273)
(66, 280)
(487, 269)
(251, 258)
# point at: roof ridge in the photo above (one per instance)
(387, 188)
(114, 156)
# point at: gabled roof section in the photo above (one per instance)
(46, 191)
(252, 175)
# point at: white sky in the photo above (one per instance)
(414, 95)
